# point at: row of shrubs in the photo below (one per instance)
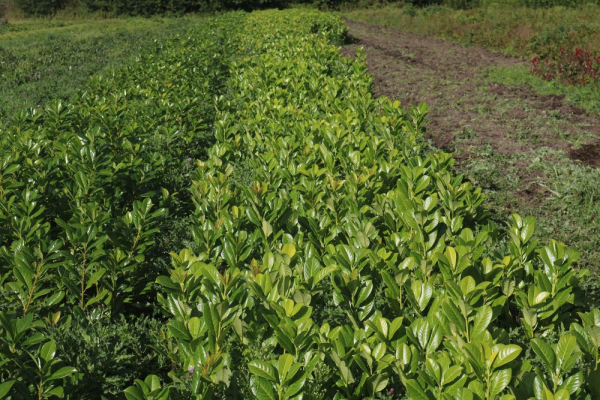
(93, 196)
(334, 257)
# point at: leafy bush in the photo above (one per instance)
(3, 14)
(85, 189)
(41, 7)
(145, 7)
(551, 41)
(348, 214)
(574, 68)
(457, 4)
(554, 3)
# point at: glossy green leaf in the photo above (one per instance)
(263, 369)
(545, 353)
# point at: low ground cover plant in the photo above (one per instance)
(322, 251)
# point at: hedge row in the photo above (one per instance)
(333, 257)
(93, 196)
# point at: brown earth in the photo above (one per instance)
(588, 154)
(467, 112)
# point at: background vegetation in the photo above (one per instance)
(178, 7)
(518, 30)
(114, 8)
(42, 60)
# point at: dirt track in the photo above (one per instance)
(468, 112)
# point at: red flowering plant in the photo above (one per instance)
(577, 67)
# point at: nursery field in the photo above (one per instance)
(237, 214)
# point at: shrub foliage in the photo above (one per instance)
(578, 67)
(89, 194)
(345, 205)
(330, 254)
(144, 7)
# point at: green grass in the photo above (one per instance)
(512, 29)
(570, 210)
(583, 96)
(568, 206)
(42, 60)
(566, 197)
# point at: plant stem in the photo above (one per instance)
(83, 277)
(38, 268)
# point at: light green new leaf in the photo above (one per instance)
(194, 327)
(506, 354)
(379, 351)
(450, 374)
(540, 390)
(415, 391)
(62, 373)
(57, 391)
(482, 321)
(345, 373)
(267, 229)
(562, 394)
(153, 382)
(365, 292)
(179, 331)
(454, 315)
(262, 389)
(463, 394)
(573, 383)
(177, 308)
(451, 256)
(284, 363)
(133, 393)
(95, 278)
(295, 388)
(289, 249)
(48, 351)
(564, 348)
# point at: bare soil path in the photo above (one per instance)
(511, 141)
(448, 77)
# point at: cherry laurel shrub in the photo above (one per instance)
(90, 207)
(350, 262)
(321, 251)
